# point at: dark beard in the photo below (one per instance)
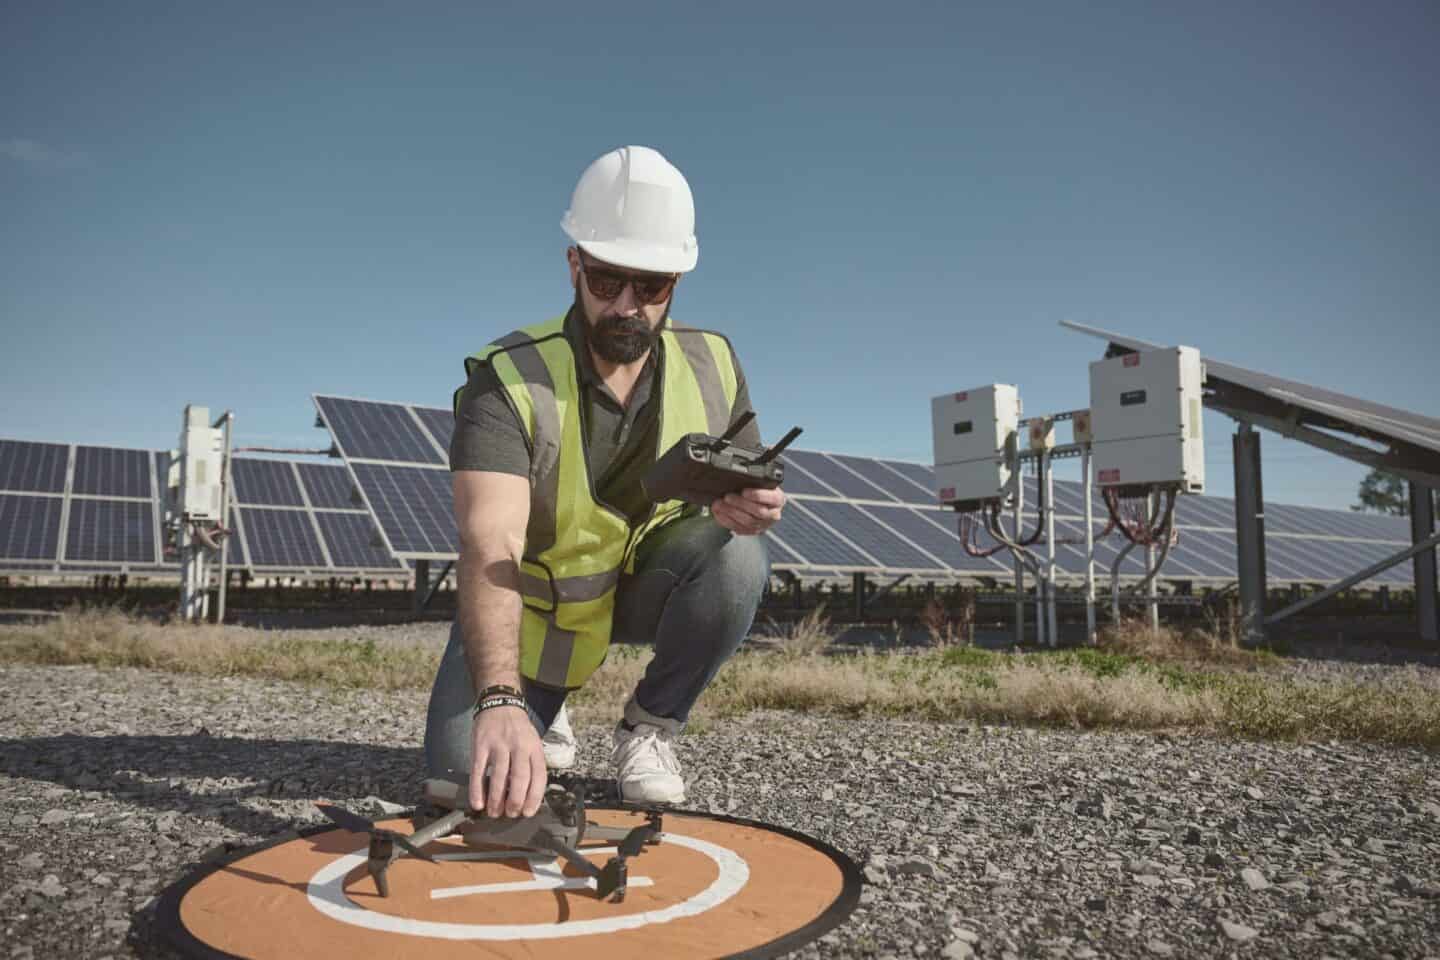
(618, 339)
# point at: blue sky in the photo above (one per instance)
(241, 206)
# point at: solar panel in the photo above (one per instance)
(377, 431)
(414, 507)
(804, 534)
(936, 531)
(329, 486)
(835, 476)
(918, 479)
(265, 482)
(778, 553)
(918, 473)
(29, 527)
(800, 483)
(1212, 553)
(281, 538)
(440, 423)
(1198, 511)
(1300, 560)
(1069, 498)
(112, 531)
(893, 484)
(353, 540)
(872, 536)
(845, 510)
(33, 467)
(111, 472)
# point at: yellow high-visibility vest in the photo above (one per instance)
(576, 547)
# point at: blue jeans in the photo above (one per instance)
(694, 594)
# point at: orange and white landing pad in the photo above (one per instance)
(713, 887)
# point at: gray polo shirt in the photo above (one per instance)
(620, 441)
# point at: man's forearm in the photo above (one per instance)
(489, 608)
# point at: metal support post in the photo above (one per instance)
(422, 583)
(1090, 633)
(1047, 478)
(1422, 527)
(225, 487)
(1019, 567)
(1152, 590)
(1250, 534)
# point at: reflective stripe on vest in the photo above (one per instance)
(576, 548)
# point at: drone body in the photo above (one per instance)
(558, 827)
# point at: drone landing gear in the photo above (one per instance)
(559, 827)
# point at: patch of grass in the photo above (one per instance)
(110, 638)
(1180, 684)
(969, 657)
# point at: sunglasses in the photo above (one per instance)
(607, 284)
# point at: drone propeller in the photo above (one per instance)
(344, 818)
(382, 843)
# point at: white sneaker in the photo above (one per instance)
(645, 765)
(559, 743)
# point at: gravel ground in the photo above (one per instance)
(975, 840)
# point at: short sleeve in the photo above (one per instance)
(488, 434)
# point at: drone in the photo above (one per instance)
(558, 827)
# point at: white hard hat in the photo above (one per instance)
(632, 208)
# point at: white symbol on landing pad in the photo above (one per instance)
(546, 873)
(326, 892)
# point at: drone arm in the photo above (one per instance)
(439, 828)
(545, 841)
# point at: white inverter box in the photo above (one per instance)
(973, 432)
(202, 463)
(1146, 419)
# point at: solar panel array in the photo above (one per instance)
(303, 518)
(851, 514)
(74, 508)
(80, 507)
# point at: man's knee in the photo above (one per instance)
(743, 567)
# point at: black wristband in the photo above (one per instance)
(498, 700)
(499, 688)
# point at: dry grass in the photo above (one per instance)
(949, 627)
(1218, 642)
(1133, 681)
(111, 638)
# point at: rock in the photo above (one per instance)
(1096, 904)
(1327, 920)
(1214, 861)
(1254, 879)
(916, 867)
(1254, 793)
(1159, 947)
(1238, 931)
(1149, 880)
(1374, 845)
(32, 861)
(52, 887)
(51, 817)
(957, 950)
(969, 936)
(876, 876)
(1192, 835)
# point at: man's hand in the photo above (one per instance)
(504, 740)
(750, 512)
